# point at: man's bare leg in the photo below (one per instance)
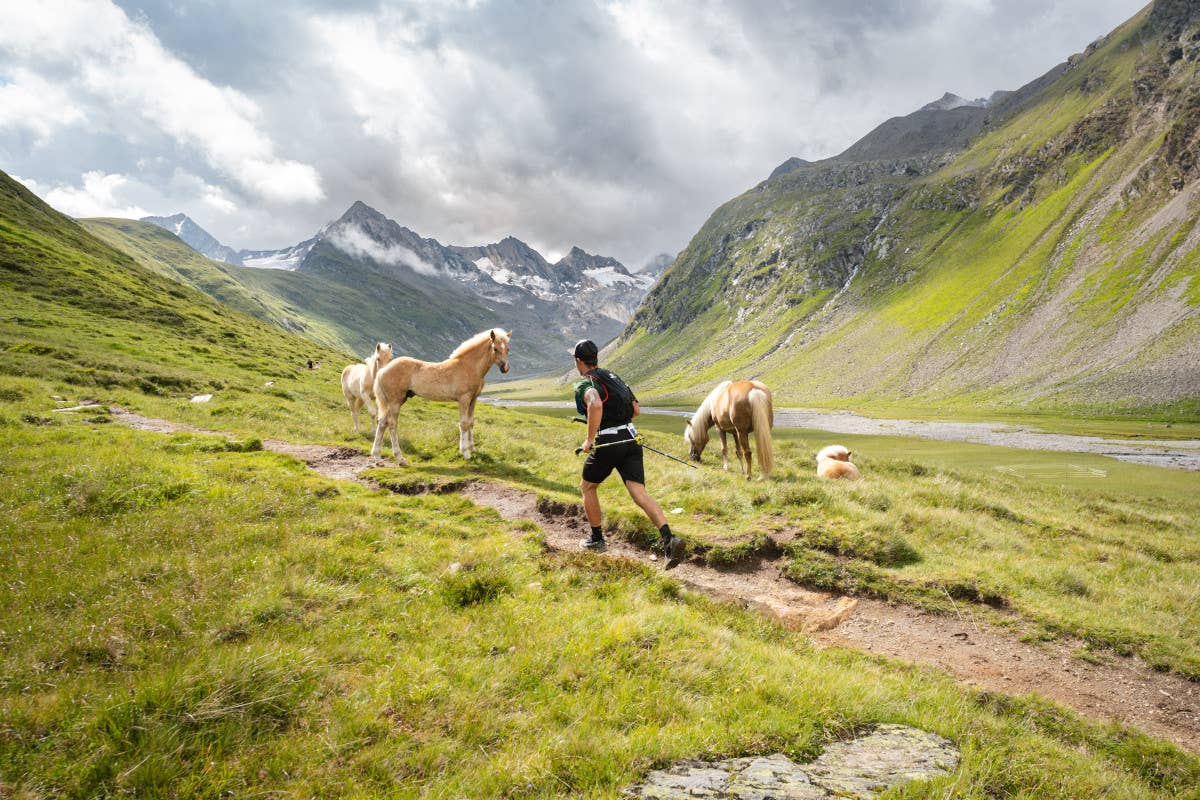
(647, 503)
(591, 502)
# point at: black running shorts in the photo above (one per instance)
(625, 458)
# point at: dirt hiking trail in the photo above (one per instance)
(1123, 689)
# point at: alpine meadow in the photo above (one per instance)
(209, 586)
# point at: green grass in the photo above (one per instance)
(184, 621)
(187, 616)
(998, 526)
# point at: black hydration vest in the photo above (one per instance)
(616, 396)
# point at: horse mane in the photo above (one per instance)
(702, 420)
(476, 340)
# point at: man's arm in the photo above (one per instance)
(595, 410)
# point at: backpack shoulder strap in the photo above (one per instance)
(598, 383)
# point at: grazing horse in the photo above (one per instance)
(457, 379)
(738, 407)
(358, 381)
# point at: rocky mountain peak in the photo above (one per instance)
(950, 101)
(578, 261)
(360, 212)
(196, 237)
(791, 165)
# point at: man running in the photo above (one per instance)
(610, 406)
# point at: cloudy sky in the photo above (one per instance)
(616, 125)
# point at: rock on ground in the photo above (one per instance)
(861, 768)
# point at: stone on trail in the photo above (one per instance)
(202, 398)
(862, 768)
(888, 756)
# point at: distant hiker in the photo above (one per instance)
(610, 406)
(310, 364)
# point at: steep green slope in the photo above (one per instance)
(165, 253)
(79, 312)
(1051, 264)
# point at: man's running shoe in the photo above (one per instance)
(675, 549)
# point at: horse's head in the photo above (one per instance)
(383, 353)
(694, 441)
(500, 349)
(834, 452)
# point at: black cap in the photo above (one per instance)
(586, 351)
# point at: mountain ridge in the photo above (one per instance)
(1047, 258)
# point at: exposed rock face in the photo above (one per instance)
(590, 285)
(196, 237)
(511, 261)
(438, 295)
(862, 769)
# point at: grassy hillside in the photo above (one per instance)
(1053, 264)
(82, 313)
(186, 616)
(163, 252)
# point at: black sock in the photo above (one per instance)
(596, 535)
(665, 531)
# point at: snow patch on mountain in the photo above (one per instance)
(287, 259)
(608, 276)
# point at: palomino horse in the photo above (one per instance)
(738, 407)
(457, 379)
(834, 462)
(358, 381)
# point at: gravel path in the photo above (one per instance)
(1183, 454)
(1122, 689)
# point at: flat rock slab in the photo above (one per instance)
(861, 768)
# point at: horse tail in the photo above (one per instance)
(347, 380)
(763, 418)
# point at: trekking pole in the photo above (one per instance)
(579, 450)
(640, 440)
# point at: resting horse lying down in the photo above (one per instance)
(834, 462)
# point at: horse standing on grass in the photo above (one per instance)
(358, 381)
(736, 407)
(457, 379)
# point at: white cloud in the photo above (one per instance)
(354, 241)
(119, 69)
(616, 125)
(31, 103)
(97, 197)
(102, 194)
(190, 189)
